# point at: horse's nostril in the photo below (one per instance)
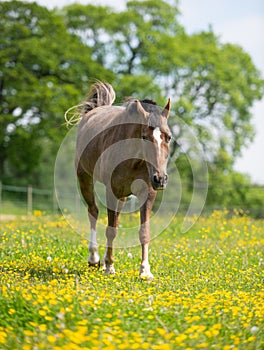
(156, 179)
(161, 180)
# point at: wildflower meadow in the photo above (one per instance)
(207, 292)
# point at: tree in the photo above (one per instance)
(213, 85)
(43, 71)
(47, 58)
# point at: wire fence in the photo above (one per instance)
(20, 200)
(17, 200)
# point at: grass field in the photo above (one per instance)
(207, 292)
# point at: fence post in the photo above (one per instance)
(29, 200)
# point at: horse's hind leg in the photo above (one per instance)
(113, 210)
(87, 190)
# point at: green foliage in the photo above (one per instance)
(213, 85)
(43, 69)
(232, 189)
(48, 57)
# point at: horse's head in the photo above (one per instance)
(157, 136)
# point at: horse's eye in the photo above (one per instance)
(144, 138)
(167, 138)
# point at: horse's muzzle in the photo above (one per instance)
(159, 182)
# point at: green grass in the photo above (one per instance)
(207, 292)
(8, 207)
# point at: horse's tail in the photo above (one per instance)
(100, 94)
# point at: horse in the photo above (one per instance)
(126, 148)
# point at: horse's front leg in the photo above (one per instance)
(87, 189)
(144, 234)
(113, 211)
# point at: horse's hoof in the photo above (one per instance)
(145, 273)
(94, 265)
(109, 270)
(148, 277)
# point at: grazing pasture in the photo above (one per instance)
(207, 292)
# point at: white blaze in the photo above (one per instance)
(157, 136)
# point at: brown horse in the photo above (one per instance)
(125, 148)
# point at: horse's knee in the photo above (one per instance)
(110, 233)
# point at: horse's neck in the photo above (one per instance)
(129, 127)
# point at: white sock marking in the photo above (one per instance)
(93, 248)
(92, 243)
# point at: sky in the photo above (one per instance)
(238, 22)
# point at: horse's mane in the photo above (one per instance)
(150, 106)
(147, 100)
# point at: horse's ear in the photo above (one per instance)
(135, 107)
(141, 110)
(166, 110)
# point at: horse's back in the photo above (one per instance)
(99, 119)
(89, 135)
